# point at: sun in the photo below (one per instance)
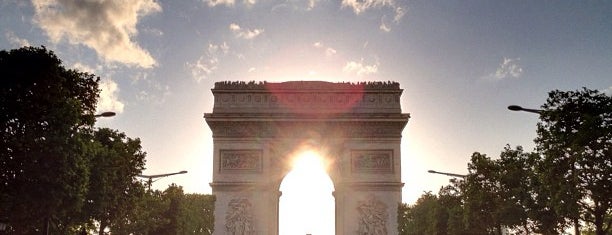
(308, 161)
(307, 203)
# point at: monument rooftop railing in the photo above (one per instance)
(306, 97)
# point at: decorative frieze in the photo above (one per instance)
(270, 128)
(372, 161)
(241, 160)
(239, 217)
(372, 217)
(306, 97)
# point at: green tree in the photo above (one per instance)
(45, 119)
(516, 177)
(199, 214)
(482, 196)
(173, 201)
(146, 217)
(575, 139)
(113, 188)
(451, 202)
(419, 218)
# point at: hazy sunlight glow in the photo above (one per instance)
(307, 203)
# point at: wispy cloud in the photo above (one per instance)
(244, 33)
(360, 6)
(83, 68)
(213, 3)
(608, 91)
(360, 68)
(228, 3)
(108, 27)
(109, 98)
(208, 62)
(508, 68)
(16, 41)
(329, 52)
(155, 93)
(384, 25)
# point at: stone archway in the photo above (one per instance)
(257, 127)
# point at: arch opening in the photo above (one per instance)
(307, 205)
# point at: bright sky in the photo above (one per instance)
(460, 64)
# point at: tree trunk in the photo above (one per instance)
(103, 225)
(599, 221)
(576, 226)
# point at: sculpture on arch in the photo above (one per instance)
(373, 217)
(238, 220)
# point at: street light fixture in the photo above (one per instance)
(447, 174)
(151, 177)
(519, 108)
(105, 114)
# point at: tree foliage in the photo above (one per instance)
(419, 218)
(567, 180)
(45, 120)
(57, 170)
(170, 212)
(575, 139)
(113, 188)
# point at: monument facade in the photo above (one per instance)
(259, 127)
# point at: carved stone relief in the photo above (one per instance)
(241, 160)
(239, 217)
(372, 217)
(378, 161)
(290, 129)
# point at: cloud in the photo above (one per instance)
(329, 52)
(360, 68)
(158, 95)
(608, 91)
(16, 41)
(83, 68)
(208, 62)
(509, 68)
(399, 13)
(383, 25)
(213, 3)
(311, 4)
(109, 100)
(360, 6)
(108, 27)
(229, 3)
(244, 33)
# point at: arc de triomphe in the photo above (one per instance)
(259, 127)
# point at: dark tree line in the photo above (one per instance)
(566, 181)
(58, 173)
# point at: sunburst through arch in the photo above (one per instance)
(306, 205)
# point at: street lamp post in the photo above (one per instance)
(105, 114)
(151, 177)
(519, 108)
(447, 174)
